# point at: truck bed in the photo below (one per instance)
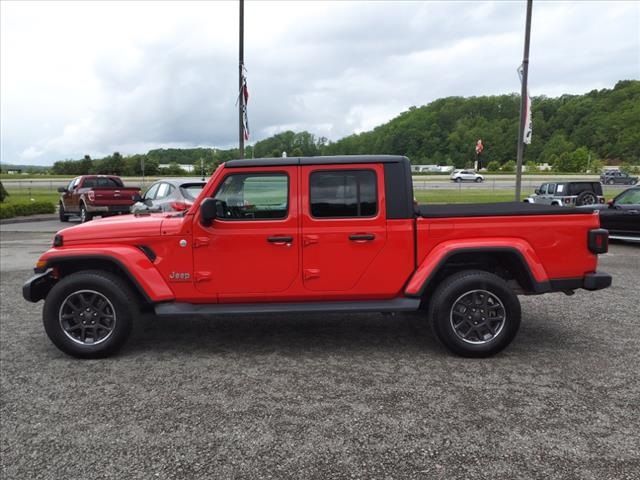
(503, 209)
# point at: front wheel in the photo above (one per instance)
(458, 180)
(475, 313)
(61, 215)
(610, 182)
(89, 314)
(478, 180)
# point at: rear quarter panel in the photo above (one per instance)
(555, 246)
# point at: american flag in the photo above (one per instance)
(528, 125)
(244, 95)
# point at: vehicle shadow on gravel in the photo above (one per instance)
(313, 333)
(292, 333)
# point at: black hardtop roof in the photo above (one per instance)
(322, 160)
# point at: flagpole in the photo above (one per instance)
(240, 75)
(523, 100)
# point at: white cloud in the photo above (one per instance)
(97, 77)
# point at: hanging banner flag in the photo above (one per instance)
(479, 147)
(528, 125)
(243, 95)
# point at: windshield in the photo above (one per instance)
(630, 197)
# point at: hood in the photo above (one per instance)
(114, 228)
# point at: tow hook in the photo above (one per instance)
(568, 293)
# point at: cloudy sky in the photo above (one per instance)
(96, 77)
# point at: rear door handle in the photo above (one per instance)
(362, 237)
(280, 240)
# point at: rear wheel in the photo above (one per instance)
(89, 314)
(84, 215)
(475, 313)
(61, 214)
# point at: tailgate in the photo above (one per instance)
(107, 196)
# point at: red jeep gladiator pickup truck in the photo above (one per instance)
(90, 195)
(323, 234)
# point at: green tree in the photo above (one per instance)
(493, 166)
(509, 166)
(532, 167)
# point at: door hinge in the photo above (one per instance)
(203, 277)
(311, 273)
(200, 242)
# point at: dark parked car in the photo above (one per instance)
(169, 195)
(621, 216)
(567, 194)
(611, 177)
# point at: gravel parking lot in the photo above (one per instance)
(326, 396)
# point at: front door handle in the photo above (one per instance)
(278, 240)
(362, 237)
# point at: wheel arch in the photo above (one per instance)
(507, 262)
(143, 279)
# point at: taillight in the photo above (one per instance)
(598, 240)
(180, 206)
(602, 200)
(567, 200)
(92, 195)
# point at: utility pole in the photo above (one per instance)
(523, 100)
(241, 105)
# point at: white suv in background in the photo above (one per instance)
(466, 176)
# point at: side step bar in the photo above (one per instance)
(401, 304)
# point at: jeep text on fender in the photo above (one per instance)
(331, 234)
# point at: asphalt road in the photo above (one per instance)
(420, 182)
(325, 396)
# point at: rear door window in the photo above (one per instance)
(343, 193)
(163, 191)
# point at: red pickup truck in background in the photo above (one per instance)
(92, 195)
(318, 234)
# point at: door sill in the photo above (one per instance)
(400, 304)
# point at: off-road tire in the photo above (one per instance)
(586, 198)
(122, 304)
(448, 296)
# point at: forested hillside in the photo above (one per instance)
(571, 133)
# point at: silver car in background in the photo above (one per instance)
(169, 195)
(466, 176)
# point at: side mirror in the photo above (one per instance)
(136, 197)
(537, 191)
(211, 209)
(62, 189)
(610, 203)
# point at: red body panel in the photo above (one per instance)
(129, 257)
(564, 254)
(233, 261)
